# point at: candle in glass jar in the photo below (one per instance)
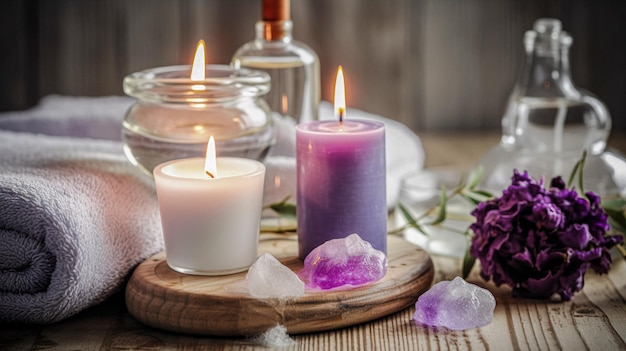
(210, 220)
(341, 182)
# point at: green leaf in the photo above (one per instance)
(411, 222)
(615, 209)
(443, 201)
(285, 209)
(618, 227)
(580, 172)
(621, 248)
(572, 175)
(476, 196)
(475, 177)
(406, 214)
(617, 222)
(461, 184)
(614, 204)
(471, 199)
(484, 193)
(468, 263)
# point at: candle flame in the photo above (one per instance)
(277, 181)
(198, 66)
(340, 95)
(210, 164)
(285, 104)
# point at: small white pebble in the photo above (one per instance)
(275, 337)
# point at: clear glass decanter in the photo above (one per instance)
(293, 67)
(549, 122)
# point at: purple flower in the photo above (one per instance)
(541, 241)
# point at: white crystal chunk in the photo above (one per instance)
(268, 278)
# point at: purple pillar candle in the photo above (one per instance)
(341, 183)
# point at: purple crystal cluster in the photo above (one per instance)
(456, 305)
(350, 261)
(541, 241)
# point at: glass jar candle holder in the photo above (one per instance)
(175, 116)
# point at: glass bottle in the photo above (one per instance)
(293, 67)
(548, 121)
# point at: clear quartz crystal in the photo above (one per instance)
(268, 278)
(549, 122)
(293, 67)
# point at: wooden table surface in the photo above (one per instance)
(595, 319)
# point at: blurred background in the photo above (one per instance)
(434, 65)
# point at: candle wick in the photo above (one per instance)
(342, 112)
(209, 174)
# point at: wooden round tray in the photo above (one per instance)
(163, 298)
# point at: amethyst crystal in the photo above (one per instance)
(456, 305)
(350, 261)
(541, 241)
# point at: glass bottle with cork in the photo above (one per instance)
(293, 66)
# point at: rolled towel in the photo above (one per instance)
(75, 218)
(75, 116)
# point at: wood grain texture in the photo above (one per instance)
(165, 299)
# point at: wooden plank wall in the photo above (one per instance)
(432, 64)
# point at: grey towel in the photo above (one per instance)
(75, 116)
(75, 218)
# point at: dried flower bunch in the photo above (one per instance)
(541, 241)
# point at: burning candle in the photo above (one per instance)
(179, 107)
(210, 211)
(340, 179)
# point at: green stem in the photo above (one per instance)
(398, 230)
(453, 193)
(622, 249)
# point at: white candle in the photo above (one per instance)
(210, 225)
